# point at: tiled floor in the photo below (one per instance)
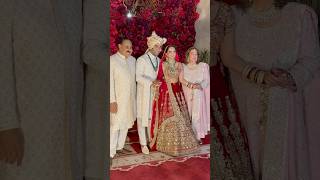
(130, 159)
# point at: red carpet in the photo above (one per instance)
(134, 138)
(194, 168)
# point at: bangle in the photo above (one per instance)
(246, 71)
(260, 79)
(258, 72)
(252, 74)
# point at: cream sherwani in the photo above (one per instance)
(123, 92)
(146, 73)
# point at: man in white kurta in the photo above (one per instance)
(122, 95)
(146, 75)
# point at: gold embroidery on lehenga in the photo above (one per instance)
(243, 166)
(221, 165)
(175, 135)
(230, 153)
(236, 163)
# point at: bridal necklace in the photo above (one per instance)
(171, 67)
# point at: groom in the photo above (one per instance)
(146, 74)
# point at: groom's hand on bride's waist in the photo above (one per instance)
(156, 83)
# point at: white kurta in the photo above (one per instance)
(145, 75)
(122, 91)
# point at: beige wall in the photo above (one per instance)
(203, 25)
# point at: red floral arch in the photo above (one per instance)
(173, 19)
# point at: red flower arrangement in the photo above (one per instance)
(174, 20)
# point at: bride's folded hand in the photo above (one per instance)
(156, 83)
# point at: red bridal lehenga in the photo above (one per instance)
(171, 129)
(229, 146)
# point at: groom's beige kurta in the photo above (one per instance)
(145, 75)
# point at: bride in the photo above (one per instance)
(171, 129)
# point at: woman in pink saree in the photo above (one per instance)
(171, 130)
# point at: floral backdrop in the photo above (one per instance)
(172, 19)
